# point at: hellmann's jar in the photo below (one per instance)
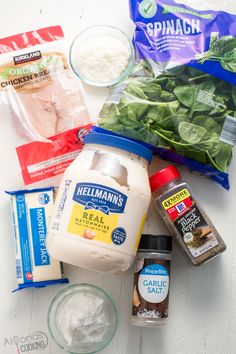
(101, 205)
(184, 216)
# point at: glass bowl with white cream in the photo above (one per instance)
(102, 55)
(82, 319)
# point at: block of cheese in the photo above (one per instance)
(31, 211)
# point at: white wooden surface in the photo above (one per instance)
(202, 300)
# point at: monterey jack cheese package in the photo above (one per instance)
(31, 211)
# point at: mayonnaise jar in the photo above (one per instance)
(101, 205)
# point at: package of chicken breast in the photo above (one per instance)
(44, 101)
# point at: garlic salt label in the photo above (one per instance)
(151, 288)
(153, 283)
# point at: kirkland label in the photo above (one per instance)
(190, 223)
(24, 58)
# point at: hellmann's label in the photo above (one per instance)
(108, 199)
(100, 215)
(95, 214)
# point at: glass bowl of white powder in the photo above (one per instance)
(82, 319)
(102, 55)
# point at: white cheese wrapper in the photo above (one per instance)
(31, 211)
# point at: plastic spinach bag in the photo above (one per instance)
(181, 98)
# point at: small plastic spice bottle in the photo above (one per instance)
(185, 218)
(151, 281)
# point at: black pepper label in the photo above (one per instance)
(197, 235)
(151, 288)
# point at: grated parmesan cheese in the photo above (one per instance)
(103, 59)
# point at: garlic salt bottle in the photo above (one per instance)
(152, 281)
(101, 205)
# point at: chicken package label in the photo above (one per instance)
(170, 33)
(44, 100)
(41, 160)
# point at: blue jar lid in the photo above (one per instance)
(119, 143)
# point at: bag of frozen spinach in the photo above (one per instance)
(181, 96)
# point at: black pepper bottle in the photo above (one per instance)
(184, 216)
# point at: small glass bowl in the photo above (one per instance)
(57, 305)
(95, 32)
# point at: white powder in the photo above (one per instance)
(103, 59)
(83, 319)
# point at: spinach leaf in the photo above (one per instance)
(191, 133)
(224, 156)
(208, 123)
(172, 122)
(157, 114)
(211, 143)
(214, 37)
(229, 65)
(152, 91)
(234, 94)
(136, 91)
(189, 96)
(222, 50)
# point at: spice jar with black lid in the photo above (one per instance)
(182, 213)
(151, 281)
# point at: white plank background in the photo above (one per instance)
(202, 300)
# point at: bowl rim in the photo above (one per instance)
(124, 73)
(75, 286)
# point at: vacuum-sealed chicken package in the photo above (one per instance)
(44, 100)
(181, 97)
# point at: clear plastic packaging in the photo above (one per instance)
(37, 85)
(43, 101)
